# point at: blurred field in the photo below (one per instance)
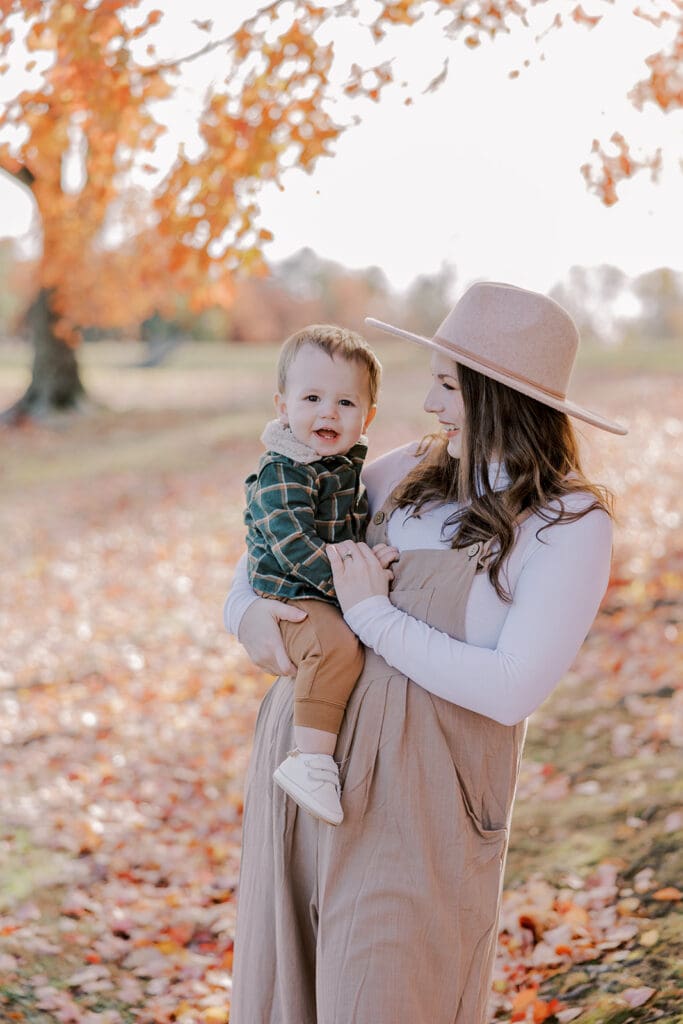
(174, 416)
(126, 712)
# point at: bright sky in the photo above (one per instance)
(482, 174)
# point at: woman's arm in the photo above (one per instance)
(555, 601)
(255, 623)
(241, 596)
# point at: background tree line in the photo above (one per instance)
(610, 307)
(304, 288)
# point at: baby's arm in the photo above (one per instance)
(385, 555)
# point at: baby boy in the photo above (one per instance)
(307, 493)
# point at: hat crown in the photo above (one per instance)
(522, 339)
(523, 334)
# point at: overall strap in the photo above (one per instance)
(376, 532)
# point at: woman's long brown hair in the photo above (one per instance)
(539, 450)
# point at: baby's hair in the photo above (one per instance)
(335, 341)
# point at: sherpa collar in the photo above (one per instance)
(280, 439)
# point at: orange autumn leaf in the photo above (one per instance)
(216, 1015)
(668, 893)
(580, 16)
(572, 912)
(542, 1010)
(524, 999)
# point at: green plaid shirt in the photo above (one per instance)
(294, 508)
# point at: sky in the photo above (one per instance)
(482, 174)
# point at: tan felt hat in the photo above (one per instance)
(518, 337)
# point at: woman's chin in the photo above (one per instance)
(454, 447)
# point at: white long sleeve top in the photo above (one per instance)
(513, 654)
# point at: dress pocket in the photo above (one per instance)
(459, 728)
(483, 829)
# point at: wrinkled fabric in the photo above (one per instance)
(329, 659)
(390, 917)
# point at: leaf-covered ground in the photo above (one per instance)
(126, 712)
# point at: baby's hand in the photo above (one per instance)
(385, 555)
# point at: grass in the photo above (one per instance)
(26, 869)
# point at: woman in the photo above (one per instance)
(504, 552)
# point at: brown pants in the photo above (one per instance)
(329, 660)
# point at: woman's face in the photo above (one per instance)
(445, 401)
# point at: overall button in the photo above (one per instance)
(378, 518)
(473, 550)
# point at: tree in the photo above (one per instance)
(334, 293)
(660, 293)
(13, 287)
(428, 299)
(596, 297)
(95, 103)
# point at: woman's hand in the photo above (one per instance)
(259, 634)
(357, 573)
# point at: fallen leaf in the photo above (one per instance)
(524, 999)
(216, 1015)
(669, 893)
(637, 996)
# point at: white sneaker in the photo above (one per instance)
(312, 781)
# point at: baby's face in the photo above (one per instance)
(326, 402)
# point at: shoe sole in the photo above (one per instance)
(298, 794)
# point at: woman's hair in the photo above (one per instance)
(539, 451)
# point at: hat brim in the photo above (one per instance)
(562, 405)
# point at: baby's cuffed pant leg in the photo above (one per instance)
(329, 660)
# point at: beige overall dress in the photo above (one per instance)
(390, 917)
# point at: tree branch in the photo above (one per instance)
(214, 44)
(22, 174)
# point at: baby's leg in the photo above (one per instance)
(314, 741)
(329, 659)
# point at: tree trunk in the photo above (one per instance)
(55, 385)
